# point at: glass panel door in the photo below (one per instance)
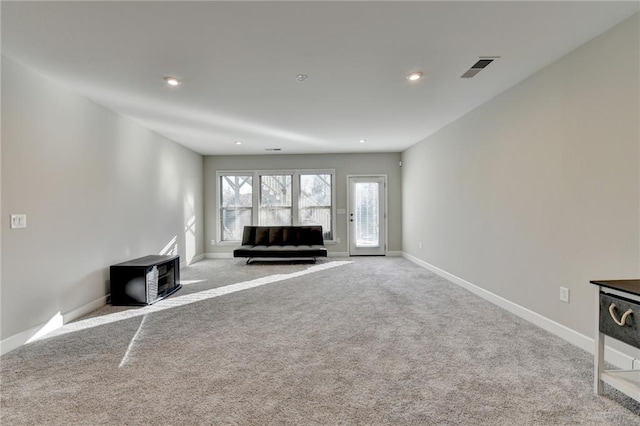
(367, 219)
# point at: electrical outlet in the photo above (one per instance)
(420, 244)
(338, 240)
(18, 221)
(213, 242)
(564, 294)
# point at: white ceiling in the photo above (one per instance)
(239, 61)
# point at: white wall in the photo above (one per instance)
(538, 188)
(344, 164)
(97, 189)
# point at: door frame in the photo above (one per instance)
(385, 207)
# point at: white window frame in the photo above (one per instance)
(255, 196)
(295, 188)
(219, 175)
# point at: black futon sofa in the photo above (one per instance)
(281, 242)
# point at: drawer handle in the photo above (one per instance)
(623, 320)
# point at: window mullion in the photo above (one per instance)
(255, 204)
(234, 209)
(295, 197)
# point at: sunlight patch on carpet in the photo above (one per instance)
(54, 323)
(187, 282)
(125, 358)
(187, 299)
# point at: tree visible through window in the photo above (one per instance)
(315, 201)
(236, 206)
(282, 198)
(275, 200)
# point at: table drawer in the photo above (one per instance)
(629, 332)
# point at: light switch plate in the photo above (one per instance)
(18, 221)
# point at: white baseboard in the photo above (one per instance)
(218, 255)
(337, 254)
(19, 339)
(184, 263)
(613, 356)
(85, 309)
(195, 259)
(230, 255)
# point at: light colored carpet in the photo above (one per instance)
(371, 341)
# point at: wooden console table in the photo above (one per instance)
(618, 307)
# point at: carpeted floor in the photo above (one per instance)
(348, 341)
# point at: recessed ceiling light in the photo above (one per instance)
(172, 81)
(302, 77)
(363, 140)
(238, 143)
(413, 76)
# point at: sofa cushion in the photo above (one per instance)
(275, 236)
(262, 236)
(243, 251)
(290, 235)
(286, 251)
(248, 235)
(281, 242)
(315, 236)
(305, 235)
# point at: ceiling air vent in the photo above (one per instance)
(479, 66)
(273, 149)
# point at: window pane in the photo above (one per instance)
(367, 217)
(275, 200)
(233, 222)
(315, 202)
(235, 200)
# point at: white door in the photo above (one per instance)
(367, 215)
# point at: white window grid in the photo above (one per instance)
(295, 193)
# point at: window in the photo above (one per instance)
(304, 197)
(236, 199)
(275, 200)
(316, 201)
